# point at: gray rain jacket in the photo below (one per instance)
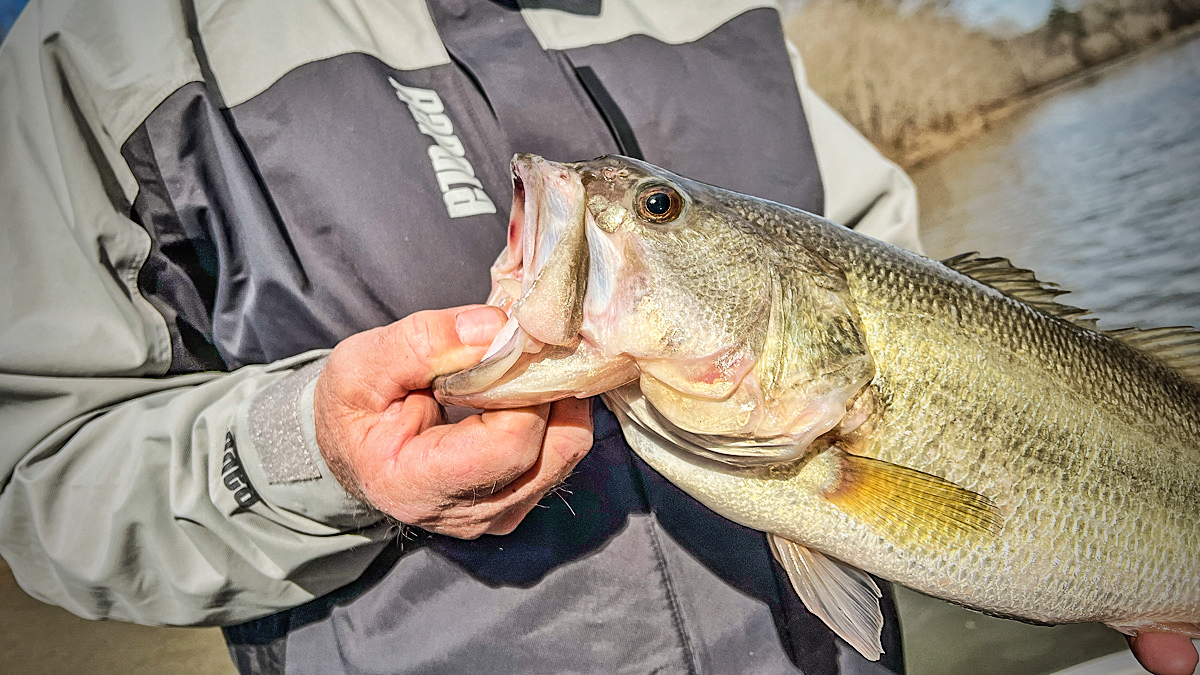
(200, 196)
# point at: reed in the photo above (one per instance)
(898, 77)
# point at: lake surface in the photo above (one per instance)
(1096, 188)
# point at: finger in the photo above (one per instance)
(568, 439)
(1164, 653)
(407, 355)
(569, 432)
(480, 455)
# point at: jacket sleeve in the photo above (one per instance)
(863, 189)
(126, 493)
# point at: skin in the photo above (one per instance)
(387, 440)
(1164, 653)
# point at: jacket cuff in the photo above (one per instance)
(277, 446)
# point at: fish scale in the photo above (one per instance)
(1020, 456)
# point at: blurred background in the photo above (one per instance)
(1062, 134)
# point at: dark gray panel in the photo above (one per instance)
(314, 209)
(746, 133)
(256, 282)
(349, 173)
(179, 275)
(536, 99)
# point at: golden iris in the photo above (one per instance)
(658, 204)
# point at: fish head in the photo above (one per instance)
(619, 276)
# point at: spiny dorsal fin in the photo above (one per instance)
(844, 597)
(1177, 346)
(911, 507)
(1019, 284)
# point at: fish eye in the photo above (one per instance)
(658, 204)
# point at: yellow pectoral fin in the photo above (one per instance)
(909, 506)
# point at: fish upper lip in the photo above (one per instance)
(531, 241)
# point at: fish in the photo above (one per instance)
(949, 426)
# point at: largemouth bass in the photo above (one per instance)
(948, 426)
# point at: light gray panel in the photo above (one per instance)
(669, 21)
(252, 43)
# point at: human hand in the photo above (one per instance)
(385, 438)
(1164, 653)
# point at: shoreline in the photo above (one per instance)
(926, 146)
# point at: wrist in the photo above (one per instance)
(277, 439)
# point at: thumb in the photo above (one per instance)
(423, 345)
(407, 355)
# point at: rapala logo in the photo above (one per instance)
(234, 476)
(461, 190)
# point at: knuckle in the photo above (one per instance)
(420, 337)
(508, 521)
(467, 526)
(503, 528)
(467, 533)
(570, 445)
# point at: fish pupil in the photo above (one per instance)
(658, 203)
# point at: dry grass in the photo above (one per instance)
(896, 76)
(917, 83)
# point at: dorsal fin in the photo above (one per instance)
(1019, 284)
(1176, 346)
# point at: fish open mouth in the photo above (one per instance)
(539, 280)
(541, 275)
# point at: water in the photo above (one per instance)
(1096, 188)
